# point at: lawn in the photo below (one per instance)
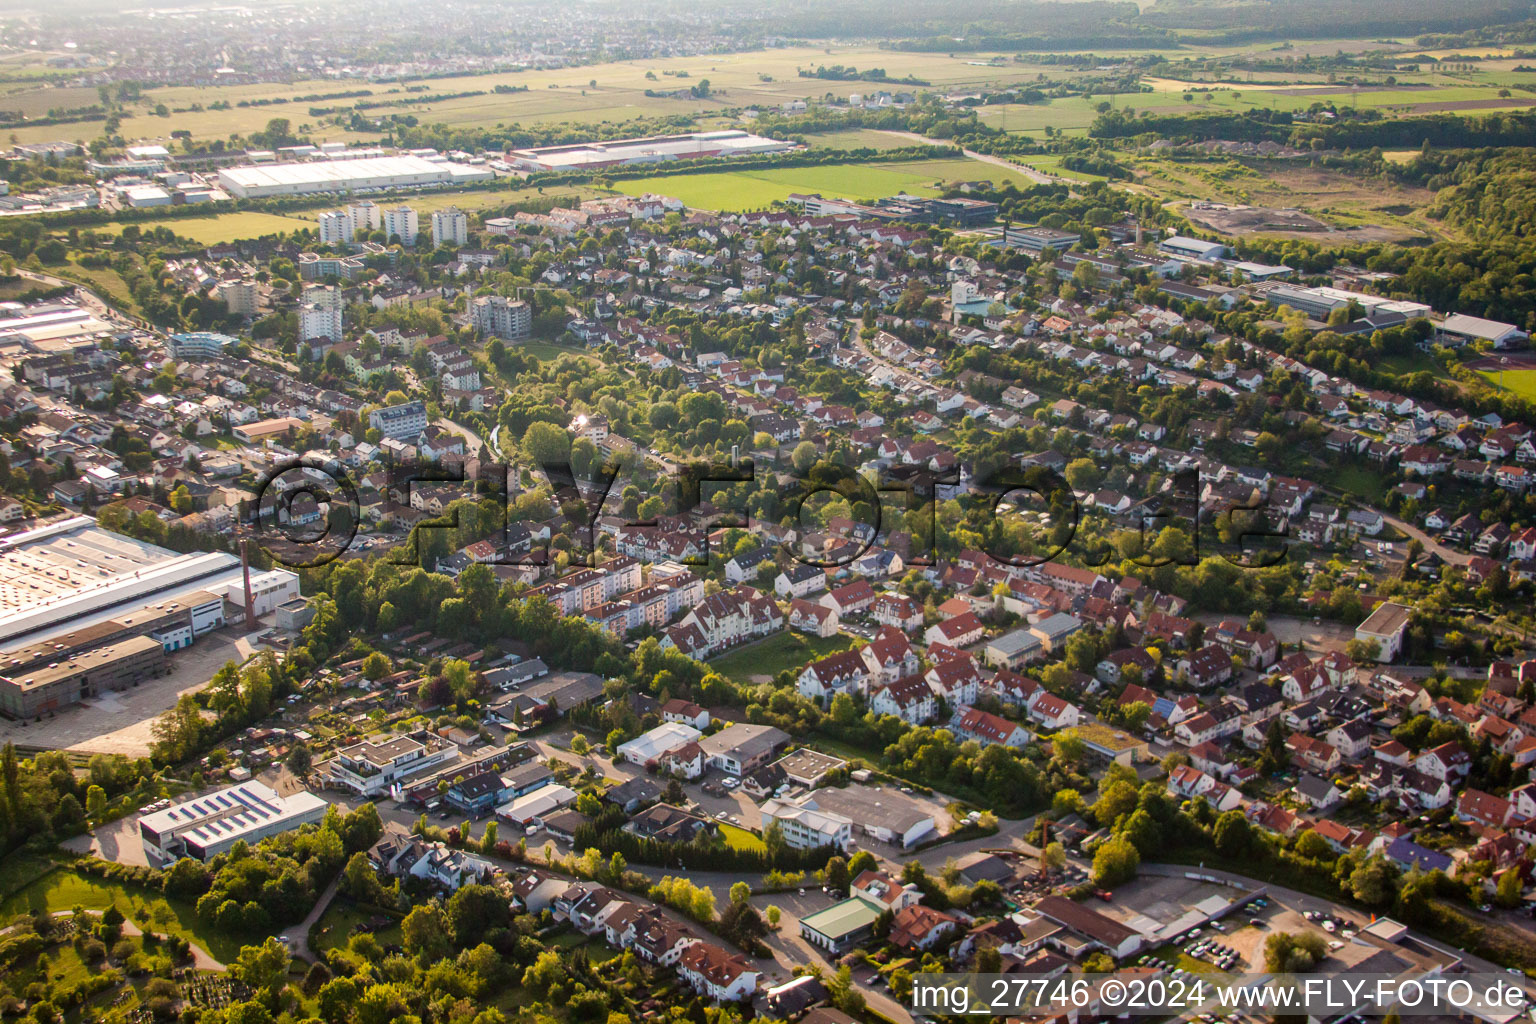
(64, 889)
(1519, 382)
(761, 661)
(19, 871)
(1359, 481)
(1415, 362)
(343, 916)
(756, 189)
(738, 838)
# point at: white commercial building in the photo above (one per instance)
(373, 769)
(335, 227)
(1460, 329)
(1320, 302)
(650, 746)
(496, 316)
(400, 222)
(806, 827)
(1387, 627)
(310, 176)
(450, 227)
(207, 826)
(529, 809)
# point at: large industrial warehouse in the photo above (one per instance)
(654, 149)
(72, 573)
(259, 182)
(84, 610)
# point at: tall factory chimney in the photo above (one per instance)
(245, 570)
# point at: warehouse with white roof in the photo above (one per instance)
(1460, 329)
(652, 149)
(311, 176)
(209, 825)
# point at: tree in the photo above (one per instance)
(1117, 799)
(336, 999)
(95, 801)
(425, 932)
(1313, 846)
(1287, 953)
(68, 816)
(1053, 857)
(1115, 861)
(376, 666)
(836, 873)
(300, 760)
(264, 968)
(1232, 835)
(774, 914)
(1083, 474)
(1371, 882)
(360, 881)
(1509, 891)
(773, 839)
(803, 457)
(741, 892)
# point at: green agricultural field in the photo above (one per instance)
(767, 658)
(616, 92)
(1073, 114)
(766, 78)
(224, 227)
(756, 189)
(859, 138)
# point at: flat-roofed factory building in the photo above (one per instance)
(381, 172)
(59, 684)
(210, 825)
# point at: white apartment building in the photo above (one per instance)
(240, 295)
(320, 313)
(450, 227)
(497, 316)
(365, 216)
(401, 222)
(335, 227)
(401, 422)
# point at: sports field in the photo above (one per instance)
(1519, 382)
(756, 189)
